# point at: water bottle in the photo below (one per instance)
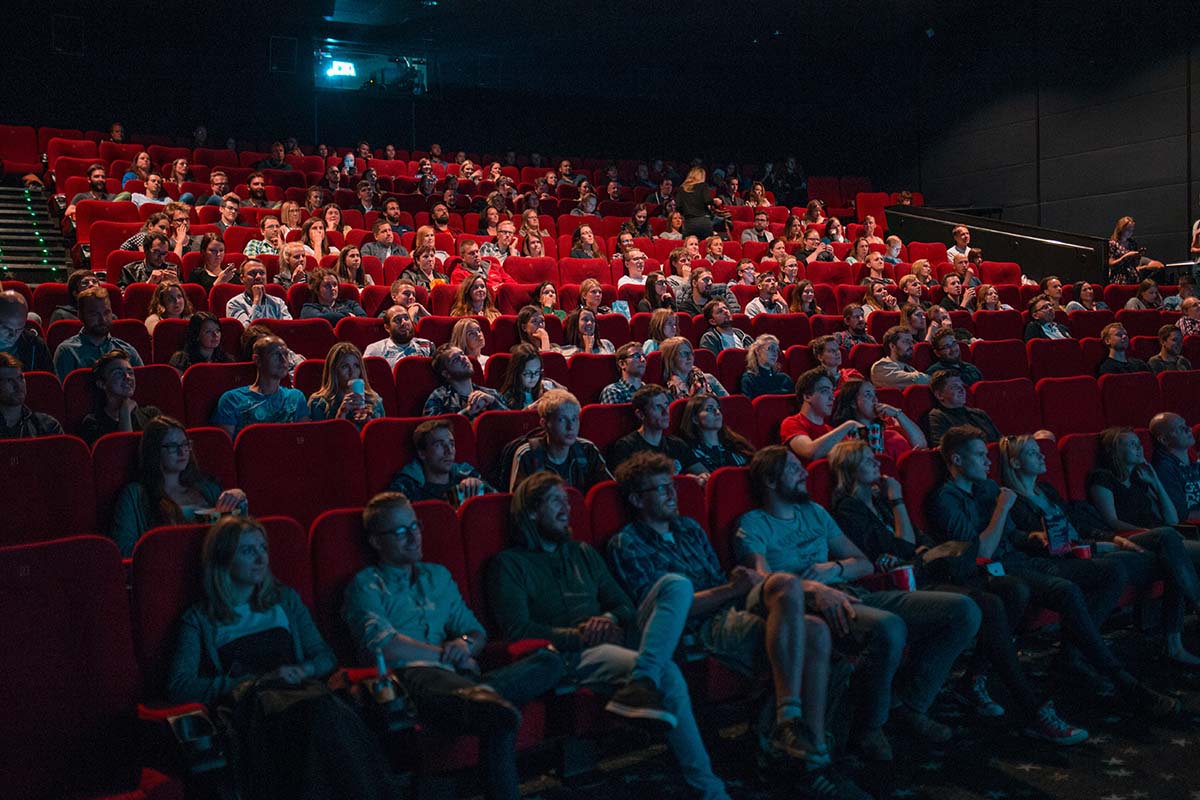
(382, 687)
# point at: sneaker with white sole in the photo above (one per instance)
(975, 696)
(1050, 727)
(641, 701)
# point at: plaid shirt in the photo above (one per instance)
(256, 247)
(640, 557)
(444, 400)
(619, 392)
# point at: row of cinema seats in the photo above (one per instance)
(1078, 405)
(53, 590)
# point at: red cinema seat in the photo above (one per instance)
(1086, 324)
(203, 385)
(311, 338)
(388, 446)
(1054, 358)
(789, 329)
(359, 331)
(576, 270)
(414, 381)
(1078, 453)
(921, 472)
(43, 392)
(999, 325)
(770, 410)
(589, 373)
(324, 467)
(1180, 393)
(1070, 405)
(512, 297)
(1092, 352)
(1129, 400)
(19, 150)
(934, 251)
(1000, 359)
(1012, 404)
(57, 495)
(493, 431)
(166, 581)
(525, 269)
(917, 402)
(72, 683)
(862, 356)
(1000, 272)
(71, 148)
(1140, 323)
(607, 512)
(604, 424)
(731, 363)
(728, 496)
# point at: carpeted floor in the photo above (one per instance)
(1126, 758)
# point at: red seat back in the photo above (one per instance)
(589, 373)
(729, 496)
(203, 385)
(1012, 405)
(1180, 394)
(44, 393)
(57, 497)
(604, 424)
(1001, 359)
(1070, 405)
(1078, 453)
(1129, 400)
(1054, 358)
(494, 430)
(999, 325)
(770, 410)
(921, 472)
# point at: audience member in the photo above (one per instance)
(154, 267)
(1127, 262)
(804, 299)
(458, 394)
(271, 241)
(713, 443)
(384, 243)
(1041, 321)
(1177, 469)
(474, 299)
(558, 447)
(854, 319)
(18, 338)
(769, 300)
(808, 433)
(79, 280)
(400, 341)
(954, 296)
(651, 406)
(255, 303)
(266, 399)
(721, 335)
(433, 474)
(113, 406)
(1085, 299)
(17, 420)
(323, 302)
(895, 370)
(1148, 297)
(680, 375)
(293, 265)
(344, 368)
(659, 294)
(888, 430)
(168, 302)
(962, 243)
(949, 357)
(876, 297)
(531, 328)
(950, 409)
(201, 343)
(524, 382)
(1116, 339)
(1170, 353)
(631, 362)
(828, 355)
(760, 232)
(763, 374)
(423, 271)
(212, 269)
(579, 335)
(85, 348)
(591, 297)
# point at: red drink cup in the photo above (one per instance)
(903, 578)
(1081, 550)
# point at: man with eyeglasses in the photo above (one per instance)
(472, 263)
(410, 614)
(434, 474)
(760, 232)
(1042, 324)
(231, 205)
(632, 363)
(652, 407)
(815, 249)
(257, 183)
(19, 339)
(218, 187)
(271, 241)
(504, 245)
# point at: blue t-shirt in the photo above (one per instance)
(242, 406)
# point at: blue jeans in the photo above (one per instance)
(937, 626)
(661, 618)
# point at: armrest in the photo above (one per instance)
(196, 737)
(501, 653)
(875, 582)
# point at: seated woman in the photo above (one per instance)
(427, 235)
(176, 173)
(804, 299)
(890, 432)
(533, 246)
(1148, 297)
(591, 297)
(250, 632)
(1129, 498)
(664, 324)
(776, 251)
(170, 488)
(681, 376)
(349, 267)
(584, 243)
(587, 206)
(531, 328)
(924, 272)
(467, 335)
(870, 508)
(139, 169)
(660, 294)
(789, 271)
(876, 297)
(1085, 298)
(168, 302)
(579, 335)
(531, 224)
(201, 343)
(290, 217)
(323, 302)
(833, 231)
(988, 299)
(793, 229)
(547, 299)
(337, 398)
(674, 229)
(814, 213)
(423, 271)
(489, 222)
(212, 270)
(523, 383)
(913, 319)
(474, 300)
(713, 444)
(113, 406)
(332, 216)
(858, 251)
(763, 375)
(313, 237)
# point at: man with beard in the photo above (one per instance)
(400, 341)
(276, 159)
(458, 394)
(257, 198)
(721, 335)
(154, 267)
(439, 217)
(895, 370)
(703, 290)
(391, 212)
(549, 586)
(254, 303)
(855, 322)
(96, 175)
(665, 187)
(85, 348)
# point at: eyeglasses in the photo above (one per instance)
(410, 531)
(177, 449)
(531, 374)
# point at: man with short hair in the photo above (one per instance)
(565, 175)
(116, 133)
(792, 534)
(18, 338)
(828, 355)
(854, 322)
(404, 294)
(97, 189)
(949, 356)
(700, 290)
(760, 232)
(808, 433)
(384, 244)
(559, 448)
(230, 204)
(458, 394)
(505, 243)
(1189, 322)
(631, 361)
(1174, 464)
(401, 340)
(746, 619)
(665, 188)
(257, 195)
(266, 399)
(962, 268)
(471, 263)
(1116, 339)
(95, 339)
(391, 213)
(972, 508)
(549, 586)
(254, 303)
(218, 187)
(721, 335)
(411, 615)
(769, 300)
(439, 218)
(894, 370)
(154, 267)
(652, 407)
(962, 243)
(1187, 288)
(950, 409)
(366, 198)
(955, 297)
(1041, 321)
(277, 159)
(1170, 356)
(18, 421)
(271, 241)
(434, 474)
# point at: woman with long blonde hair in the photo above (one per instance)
(337, 398)
(692, 201)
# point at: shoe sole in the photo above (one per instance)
(655, 717)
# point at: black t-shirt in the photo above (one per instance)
(1110, 366)
(1132, 503)
(670, 446)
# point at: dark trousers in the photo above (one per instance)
(1168, 558)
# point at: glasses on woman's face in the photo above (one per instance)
(531, 374)
(176, 448)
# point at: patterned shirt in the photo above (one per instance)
(243, 406)
(444, 400)
(386, 348)
(242, 308)
(619, 392)
(256, 247)
(640, 556)
(1189, 326)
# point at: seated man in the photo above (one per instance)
(458, 394)
(505, 243)
(1116, 339)
(17, 421)
(769, 300)
(970, 507)
(746, 619)
(828, 355)
(761, 230)
(18, 338)
(961, 263)
(651, 405)
(950, 409)
(254, 303)
(548, 586)
(154, 267)
(1170, 353)
(85, 348)
(401, 339)
(277, 159)
(230, 205)
(894, 370)
(153, 191)
(855, 323)
(404, 294)
(97, 177)
(271, 241)
(962, 243)
(721, 335)
(411, 615)
(949, 356)
(256, 197)
(790, 533)
(385, 242)
(631, 361)
(434, 474)
(391, 213)
(265, 400)
(1041, 321)
(700, 291)
(1174, 464)
(956, 297)
(218, 187)
(558, 447)
(472, 264)
(808, 433)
